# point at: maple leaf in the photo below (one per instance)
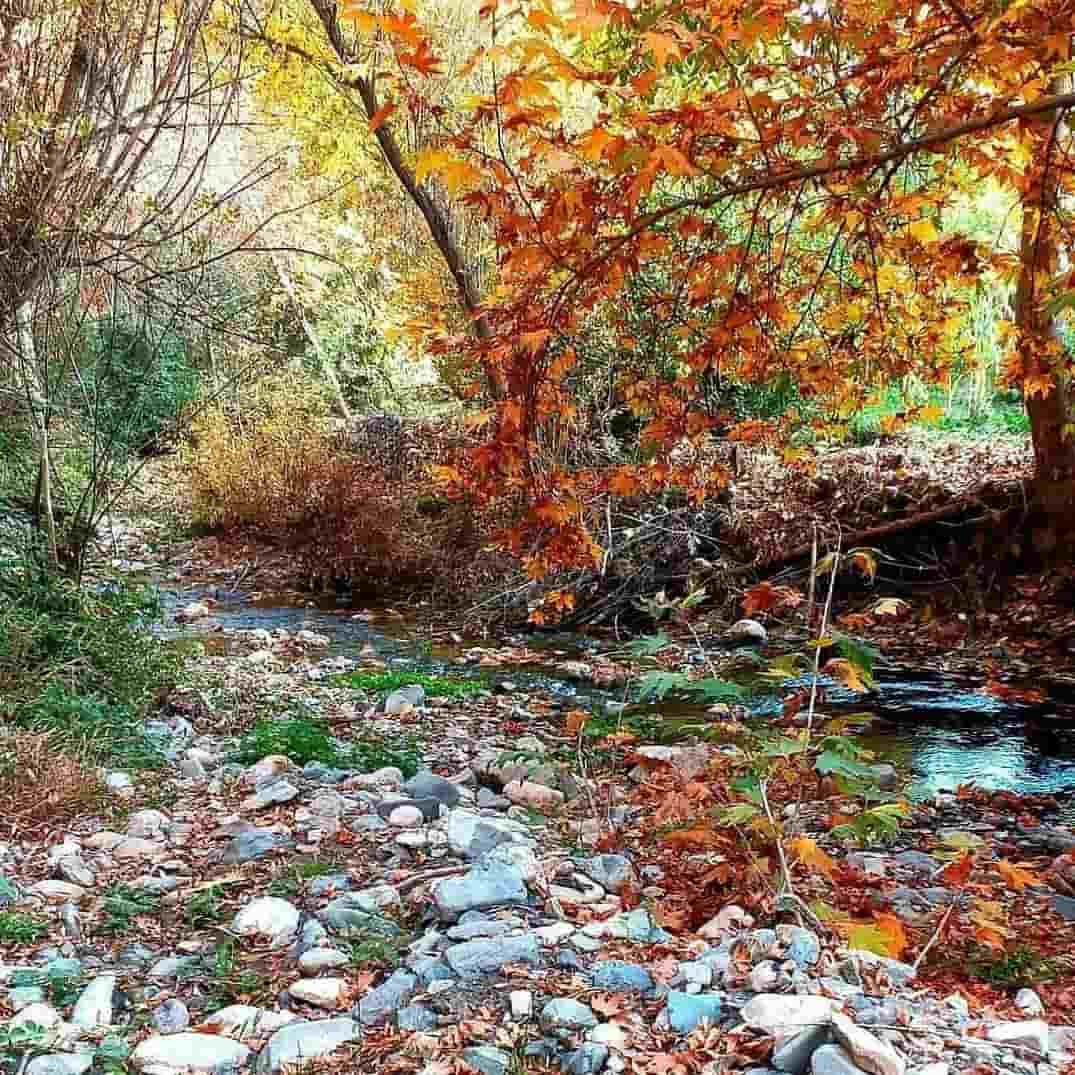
(957, 873)
(575, 721)
(848, 673)
(1016, 875)
(663, 47)
(811, 855)
(892, 929)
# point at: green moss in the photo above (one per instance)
(435, 686)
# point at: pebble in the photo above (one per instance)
(321, 992)
(406, 817)
(618, 976)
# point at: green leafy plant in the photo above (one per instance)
(122, 904)
(230, 982)
(204, 908)
(111, 1055)
(1020, 967)
(19, 928)
(879, 824)
(62, 981)
(658, 685)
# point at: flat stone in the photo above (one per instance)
(190, 1053)
(427, 785)
(487, 1060)
(618, 976)
(784, 1015)
(379, 1005)
(134, 847)
(567, 1014)
(94, 1005)
(302, 1042)
(868, 1051)
(57, 891)
(270, 917)
(588, 1059)
(686, 1011)
(489, 884)
(833, 1060)
(60, 1064)
(344, 916)
(481, 958)
(245, 1022)
(1030, 1034)
(320, 992)
(315, 960)
(416, 1018)
(274, 794)
(472, 836)
(255, 844)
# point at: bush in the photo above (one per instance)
(40, 782)
(435, 686)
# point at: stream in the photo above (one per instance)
(941, 730)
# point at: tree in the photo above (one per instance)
(789, 171)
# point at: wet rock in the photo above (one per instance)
(270, 917)
(1031, 1034)
(746, 632)
(686, 1011)
(489, 884)
(427, 785)
(379, 1005)
(179, 1054)
(94, 1005)
(171, 1017)
(487, 1060)
(303, 1042)
(833, 1060)
(869, 1052)
(481, 958)
(618, 976)
(320, 992)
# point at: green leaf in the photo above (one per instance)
(829, 761)
(715, 690)
(660, 684)
(739, 814)
(866, 938)
(783, 747)
(649, 645)
(750, 787)
(787, 666)
(861, 655)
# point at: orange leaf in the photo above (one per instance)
(956, 873)
(810, 855)
(1018, 877)
(895, 935)
(380, 117)
(575, 721)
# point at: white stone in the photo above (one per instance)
(1030, 1034)
(134, 847)
(243, 1021)
(555, 933)
(783, 1016)
(869, 1052)
(302, 1042)
(611, 1034)
(730, 918)
(405, 817)
(522, 1003)
(314, 960)
(43, 1015)
(94, 1005)
(268, 916)
(57, 891)
(196, 1054)
(1026, 1000)
(321, 992)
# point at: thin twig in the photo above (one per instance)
(936, 934)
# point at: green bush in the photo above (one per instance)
(435, 686)
(140, 380)
(18, 928)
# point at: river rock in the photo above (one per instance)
(378, 1006)
(321, 992)
(567, 1014)
(406, 817)
(618, 976)
(348, 915)
(171, 1017)
(869, 1052)
(746, 632)
(94, 1005)
(273, 794)
(472, 836)
(427, 785)
(191, 613)
(489, 884)
(269, 769)
(190, 1054)
(73, 868)
(686, 1011)
(534, 796)
(315, 960)
(1030, 1034)
(485, 957)
(245, 1022)
(404, 699)
(60, 1064)
(1026, 1000)
(588, 1059)
(784, 1016)
(794, 1054)
(487, 1060)
(270, 917)
(302, 1042)
(612, 872)
(833, 1060)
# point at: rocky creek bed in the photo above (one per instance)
(222, 917)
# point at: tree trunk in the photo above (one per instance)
(1040, 350)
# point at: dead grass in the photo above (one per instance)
(40, 783)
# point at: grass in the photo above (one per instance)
(230, 982)
(435, 686)
(19, 928)
(289, 884)
(1012, 970)
(205, 908)
(304, 740)
(122, 904)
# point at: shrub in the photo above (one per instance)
(435, 686)
(40, 782)
(18, 928)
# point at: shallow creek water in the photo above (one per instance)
(944, 731)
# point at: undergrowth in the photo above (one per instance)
(19, 928)
(303, 740)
